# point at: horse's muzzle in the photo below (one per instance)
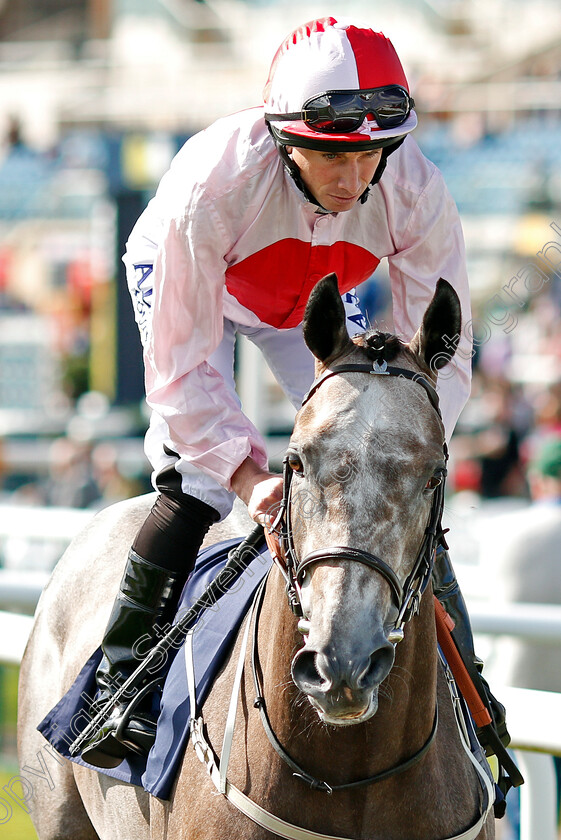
(343, 691)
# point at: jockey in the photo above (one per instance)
(252, 213)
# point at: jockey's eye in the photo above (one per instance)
(295, 463)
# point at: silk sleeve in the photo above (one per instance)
(207, 426)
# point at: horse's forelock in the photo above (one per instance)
(381, 346)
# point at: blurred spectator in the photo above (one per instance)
(487, 452)
(498, 445)
(80, 476)
(525, 565)
(70, 482)
(113, 486)
(14, 137)
(548, 409)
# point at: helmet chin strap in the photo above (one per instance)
(296, 175)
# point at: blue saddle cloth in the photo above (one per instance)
(212, 640)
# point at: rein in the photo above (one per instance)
(406, 595)
(299, 772)
(217, 768)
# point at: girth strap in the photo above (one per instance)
(479, 712)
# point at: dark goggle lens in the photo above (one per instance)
(343, 112)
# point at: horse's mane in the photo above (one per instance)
(381, 346)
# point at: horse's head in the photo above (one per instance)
(365, 461)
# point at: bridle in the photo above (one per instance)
(405, 594)
(407, 599)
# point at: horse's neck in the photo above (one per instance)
(407, 698)
(413, 679)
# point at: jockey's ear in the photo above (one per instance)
(437, 338)
(324, 324)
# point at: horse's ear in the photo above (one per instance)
(324, 326)
(438, 336)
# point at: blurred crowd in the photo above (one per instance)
(515, 404)
(80, 474)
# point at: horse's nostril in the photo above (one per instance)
(379, 666)
(304, 669)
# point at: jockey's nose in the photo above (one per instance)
(350, 177)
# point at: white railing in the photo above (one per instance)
(20, 591)
(533, 722)
(531, 622)
(42, 523)
(14, 633)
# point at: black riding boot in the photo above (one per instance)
(138, 612)
(144, 608)
(447, 590)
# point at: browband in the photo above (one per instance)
(380, 370)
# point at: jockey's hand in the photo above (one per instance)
(260, 490)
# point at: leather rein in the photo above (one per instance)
(297, 771)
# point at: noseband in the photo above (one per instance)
(407, 594)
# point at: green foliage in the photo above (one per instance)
(76, 375)
(9, 697)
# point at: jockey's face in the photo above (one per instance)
(336, 179)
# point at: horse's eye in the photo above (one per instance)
(434, 481)
(295, 463)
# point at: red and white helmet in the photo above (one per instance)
(334, 85)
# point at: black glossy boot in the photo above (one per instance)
(160, 561)
(141, 608)
(447, 590)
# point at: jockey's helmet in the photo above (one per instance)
(338, 86)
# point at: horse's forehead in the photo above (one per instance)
(392, 415)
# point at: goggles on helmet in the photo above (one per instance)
(341, 111)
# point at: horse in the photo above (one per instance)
(345, 723)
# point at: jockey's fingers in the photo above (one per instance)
(265, 500)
